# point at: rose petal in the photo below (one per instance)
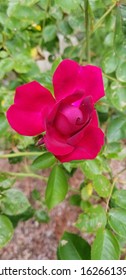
(76, 138)
(64, 79)
(55, 143)
(90, 79)
(70, 78)
(72, 113)
(25, 123)
(33, 97)
(63, 125)
(32, 104)
(86, 108)
(88, 147)
(94, 119)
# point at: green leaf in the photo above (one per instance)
(73, 247)
(44, 161)
(105, 246)
(112, 149)
(117, 221)
(49, 32)
(3, 54)
(36, 195)
(56, 13)
(12, 6)
(72, 52)
(6, 65)
(57, 187)
(86, 192)
(5, 182)
(28, 214)
(22, 63)
(29, 2)
(91, 168)
(14, 160)
(68, 6)
(110, 62)
(75, 200)
(6, 230)
(118, 96)
(43, 4)
(102, 185)
(41, 216)
(121, 72)
(85, 205)
(119, 198)
(76, 22)
(96, 4)
(14, 202)
(55, 64)
(122, 154)
(25, 14)
(116, 129)
(3, 124)
(93, 219)
(65, 28)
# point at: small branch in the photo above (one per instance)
(22, 175)
(44, 21)
(112, 187)
(121, 171)
(87, 27)
(110, 78)
(99, 22)
(96, 26)
(20, 154)
(108, 200)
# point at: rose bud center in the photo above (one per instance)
(70, 118)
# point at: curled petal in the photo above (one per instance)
(88, 147)
(63, 125)
(55, 143)
(76, 138)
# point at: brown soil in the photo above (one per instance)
(32, 240)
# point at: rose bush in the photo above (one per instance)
(70, 119)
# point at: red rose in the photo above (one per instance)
(70, 120)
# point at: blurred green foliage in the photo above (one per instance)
(33, 31)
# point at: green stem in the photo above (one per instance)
(22, 175)
(96, 26)
(108, 200)
(112, 186)
(121, 171)
(87, 27)
(44, 21)
(20, 154)
(113, 79)
(99, 22)
(46, 13)
(110, 78)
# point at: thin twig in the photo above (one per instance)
(22, 175)
(20, 154)
(99, 22)
(87, 27)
